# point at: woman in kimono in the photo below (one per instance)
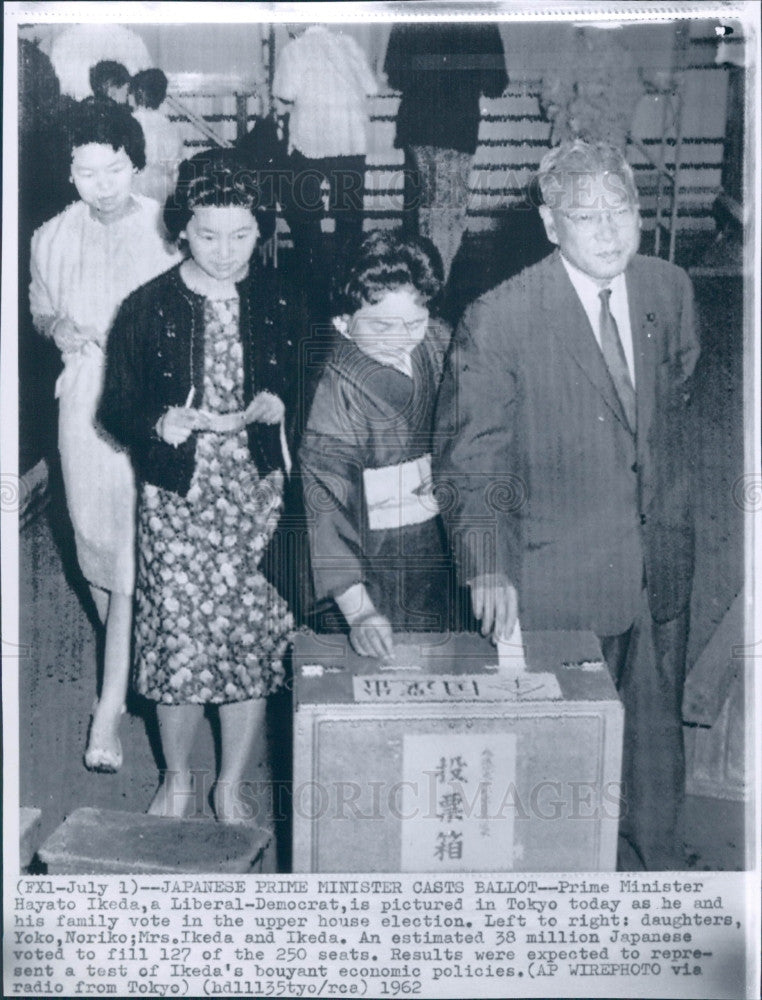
(376, 539)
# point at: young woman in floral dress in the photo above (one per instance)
(198, 386)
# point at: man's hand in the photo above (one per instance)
(265, 408)
(372, 637)
(495, 603)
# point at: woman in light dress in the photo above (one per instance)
(84, 262)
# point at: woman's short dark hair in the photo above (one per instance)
(107, 73)
(217, 178)
(109, 124)
(383, 261)
(149, 88)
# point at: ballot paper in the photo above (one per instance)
(511, 653)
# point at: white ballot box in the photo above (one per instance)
(443, 760)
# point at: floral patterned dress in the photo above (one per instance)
(208, 627)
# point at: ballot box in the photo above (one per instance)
(444, 759)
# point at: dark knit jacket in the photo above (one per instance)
(156, 352)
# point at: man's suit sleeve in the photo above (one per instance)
(689, 341)
(667, 451)
(476, 447)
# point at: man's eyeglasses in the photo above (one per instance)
(590, 220)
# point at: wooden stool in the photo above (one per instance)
(29, 830)
(95, 841)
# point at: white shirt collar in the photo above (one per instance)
(588, 291)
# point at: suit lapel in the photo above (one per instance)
(574, 335)
(645, 341)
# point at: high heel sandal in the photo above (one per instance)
(104, 759)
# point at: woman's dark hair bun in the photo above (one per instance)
(217, 178)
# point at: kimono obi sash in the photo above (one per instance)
(400, 495)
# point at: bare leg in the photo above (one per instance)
(175, 797)
(104, 748)
(240, 722)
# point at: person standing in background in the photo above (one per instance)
(110, 81)
(441, 70)
(322, 80)
(79, 47)
(164, 143)
(44, 189)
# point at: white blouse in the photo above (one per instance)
(326, 77)
(83, 269)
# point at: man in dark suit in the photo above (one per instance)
(562, 444)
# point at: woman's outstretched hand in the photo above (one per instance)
(265, 408)
(369, 631)
(177, 425)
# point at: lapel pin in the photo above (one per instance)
(651, 317)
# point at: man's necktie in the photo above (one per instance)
(613, 352)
